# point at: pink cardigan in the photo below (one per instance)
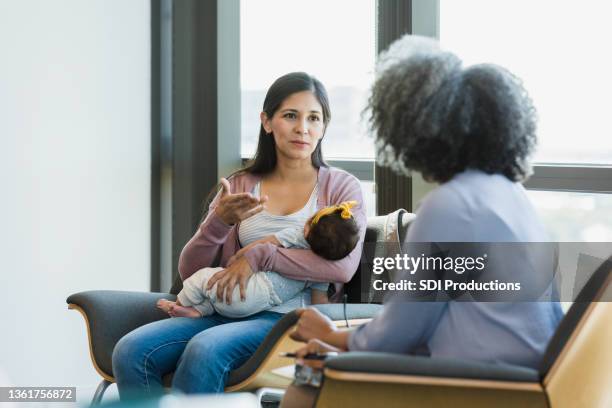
(214, 236)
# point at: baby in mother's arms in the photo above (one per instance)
(331, 233)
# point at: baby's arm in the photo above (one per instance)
(270, 239)
(292, 237)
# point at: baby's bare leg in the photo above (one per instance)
(175, 309)
(184, 311)
(165, 305)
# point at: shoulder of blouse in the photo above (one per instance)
(243, 181)
(335, 183)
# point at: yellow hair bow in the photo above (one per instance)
(345, 207)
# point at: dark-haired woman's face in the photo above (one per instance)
(297, 126)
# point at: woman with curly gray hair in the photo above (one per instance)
(432, 115)
(472, 130)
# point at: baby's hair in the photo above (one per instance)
(333, 236)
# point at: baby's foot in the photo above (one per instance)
(182, 311)
(166, 305)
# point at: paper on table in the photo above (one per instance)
(285, 371)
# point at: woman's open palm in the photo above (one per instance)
(233, 208)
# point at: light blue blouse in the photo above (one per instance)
(472, 207)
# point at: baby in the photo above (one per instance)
(331, 233)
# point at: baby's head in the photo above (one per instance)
(332, 232)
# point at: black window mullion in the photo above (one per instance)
(393, 191)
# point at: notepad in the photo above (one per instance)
(285, 371)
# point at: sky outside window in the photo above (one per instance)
(333, 40)
(560, 49)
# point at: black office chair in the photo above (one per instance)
(574, 372)
(109, 315)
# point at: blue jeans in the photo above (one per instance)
(201, 352)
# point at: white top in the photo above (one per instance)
(287, 229)
(264, 224)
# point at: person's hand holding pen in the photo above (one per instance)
(320, 335)
(312, 324)
(314, 353)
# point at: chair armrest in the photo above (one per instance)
(334, 311)
(365, 379)
(398, 364)
(112, 314)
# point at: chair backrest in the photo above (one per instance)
(593, 290)
(576, 365)
(380, 229)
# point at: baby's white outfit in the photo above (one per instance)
(264, 289)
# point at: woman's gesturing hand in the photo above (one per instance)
(238, 273)
(233, 208)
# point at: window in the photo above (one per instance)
(559, 50)
(369, 197)
(281, 36)
(575, 217)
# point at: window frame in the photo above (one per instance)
(571, 178)
(567, 177)
(190, 151)
(363, 169)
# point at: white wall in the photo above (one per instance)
(74, 175)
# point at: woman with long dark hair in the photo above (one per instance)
(285, 183)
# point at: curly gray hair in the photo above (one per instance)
(432, 115)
